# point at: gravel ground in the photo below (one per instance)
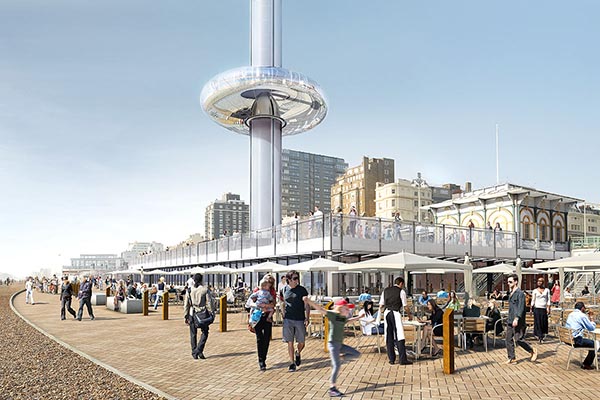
(34, 367)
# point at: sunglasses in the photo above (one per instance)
(510, 281)
(295, 278)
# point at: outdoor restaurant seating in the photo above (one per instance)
(565, 338)
(474, 326)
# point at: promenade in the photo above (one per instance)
(157, 353)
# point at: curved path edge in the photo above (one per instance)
(112, 369)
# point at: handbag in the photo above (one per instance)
(203, 318)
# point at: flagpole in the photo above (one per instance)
(497, 159)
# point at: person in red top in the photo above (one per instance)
(555, 299)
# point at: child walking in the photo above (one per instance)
(337, 319)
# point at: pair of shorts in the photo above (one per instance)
(293, 331)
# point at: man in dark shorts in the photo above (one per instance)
(296, 315)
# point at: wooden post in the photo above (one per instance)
(448, 329)
(145, 303)
(165, 308)
(326, 327)
(223, 313)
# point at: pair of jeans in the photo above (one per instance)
(583, 342)
(87, 302)
(263, 331)
(335, 349)
(518, 335)
(198, 346)
(65, 304)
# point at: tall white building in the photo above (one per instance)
(230, 214)
(134, 249)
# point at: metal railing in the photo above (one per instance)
(340, 233)
(588, 242)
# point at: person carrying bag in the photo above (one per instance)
(198, 314)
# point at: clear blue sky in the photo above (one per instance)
(103, 142)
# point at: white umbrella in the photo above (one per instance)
(404, 261)
(262, 267)
(192, 271)
(506, 269)
(315, 265)
(219, 270)
(588, 261)
(437, 271)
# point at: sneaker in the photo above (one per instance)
(201, 356)
(588, 367)
(534, 354)
(511, 361)
(262, 365)
(292, 368)
(298, 360)
(406, 363)
(334, 392)
(92, 318)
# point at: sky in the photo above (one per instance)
(103, 141)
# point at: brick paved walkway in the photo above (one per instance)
(158, 352)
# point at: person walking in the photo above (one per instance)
(66, 294)
(264, 327)
(85, 298)
(197, 299)
(335, 344)
(29, 291)
(391, 302)
(515, 324)
(296, 315)
(160, 291)
(540, 307)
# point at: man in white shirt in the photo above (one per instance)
(29, 291)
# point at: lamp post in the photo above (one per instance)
(419, 183)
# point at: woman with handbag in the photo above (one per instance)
(263, 300)
(198, 310)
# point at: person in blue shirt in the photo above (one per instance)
(365, 296)
(578, 321)
(424, 298)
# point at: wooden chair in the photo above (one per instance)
(433, 337)
(502, 335)
(474, 326)
(316, 325)
(529, 322)
(362, 337)
(411, 338)
(565, 338)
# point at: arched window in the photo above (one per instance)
(558, 231)
(527, 228)
(544, 229)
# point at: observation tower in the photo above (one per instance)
(266, 102)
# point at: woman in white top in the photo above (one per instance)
(540, 306)
(367, 318)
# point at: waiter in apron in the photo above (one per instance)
(391, 302)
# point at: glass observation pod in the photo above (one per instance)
(229, 97)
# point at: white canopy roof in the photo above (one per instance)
(403, 260)
(317, 264)
(506, 269)
(588, 261)
(219, 270)
(267, 266)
